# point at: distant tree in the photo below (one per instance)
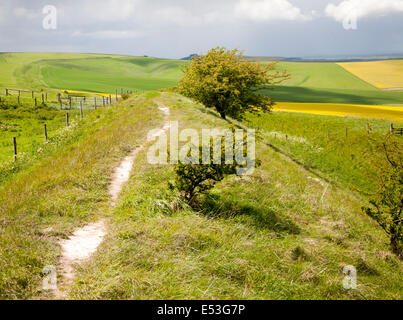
(223, 80)
(387, 205)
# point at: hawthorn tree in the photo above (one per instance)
(386, 206)
(223, 80)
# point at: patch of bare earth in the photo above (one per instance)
(85, 241)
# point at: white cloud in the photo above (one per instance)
(109, 34)
(268, 10)
(363, 8)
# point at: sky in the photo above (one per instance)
(177, 28)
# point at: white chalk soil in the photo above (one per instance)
(85, 241)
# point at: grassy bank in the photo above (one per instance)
(321, 144)
(278, 234)
(63, 190)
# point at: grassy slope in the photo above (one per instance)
(61, 191)
(19, 71)
(27, 125)
(310, 82)
(329, 83)
(87, 72)
(349, 161)
(131, 73)
(264, 236)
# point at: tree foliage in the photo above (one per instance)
(387, 205)
(198, 177)
(221, 79)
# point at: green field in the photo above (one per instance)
(86, 72)
(273, 235)
(285, 232)
(310, 81)
(329, 83)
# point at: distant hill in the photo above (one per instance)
(341, 59)
(190, 57)
(263, 58)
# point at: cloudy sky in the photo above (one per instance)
(176, 28)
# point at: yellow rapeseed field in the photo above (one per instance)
(381, 74)
(334, 109)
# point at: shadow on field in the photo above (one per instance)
(303, 94)
(260, 217)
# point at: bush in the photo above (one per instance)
(125, 96)
(198, 177)
(387, 205)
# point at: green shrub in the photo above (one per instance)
(197, 177)
(387, 205)
(125, 96)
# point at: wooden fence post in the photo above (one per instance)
(43, 98)
(391, 128)
(32, 94)
(6, 92)
(18, 99)
(81, 110)
(36, 102)
(95, 103)
(61, 105)
(116, 94)
(67, 119)
(346, 132)
(70, 103)
(15, 148)
(46, 132)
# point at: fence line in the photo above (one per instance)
(68, 103)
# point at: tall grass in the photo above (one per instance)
(321, 144)
(273, 235)
(63, 190)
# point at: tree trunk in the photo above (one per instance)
(220, 110)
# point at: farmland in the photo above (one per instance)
(322, 82)
(318, 82)
(337, 109)
(274, 235)
(86, 72)
(381, 74)
(286, 232)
